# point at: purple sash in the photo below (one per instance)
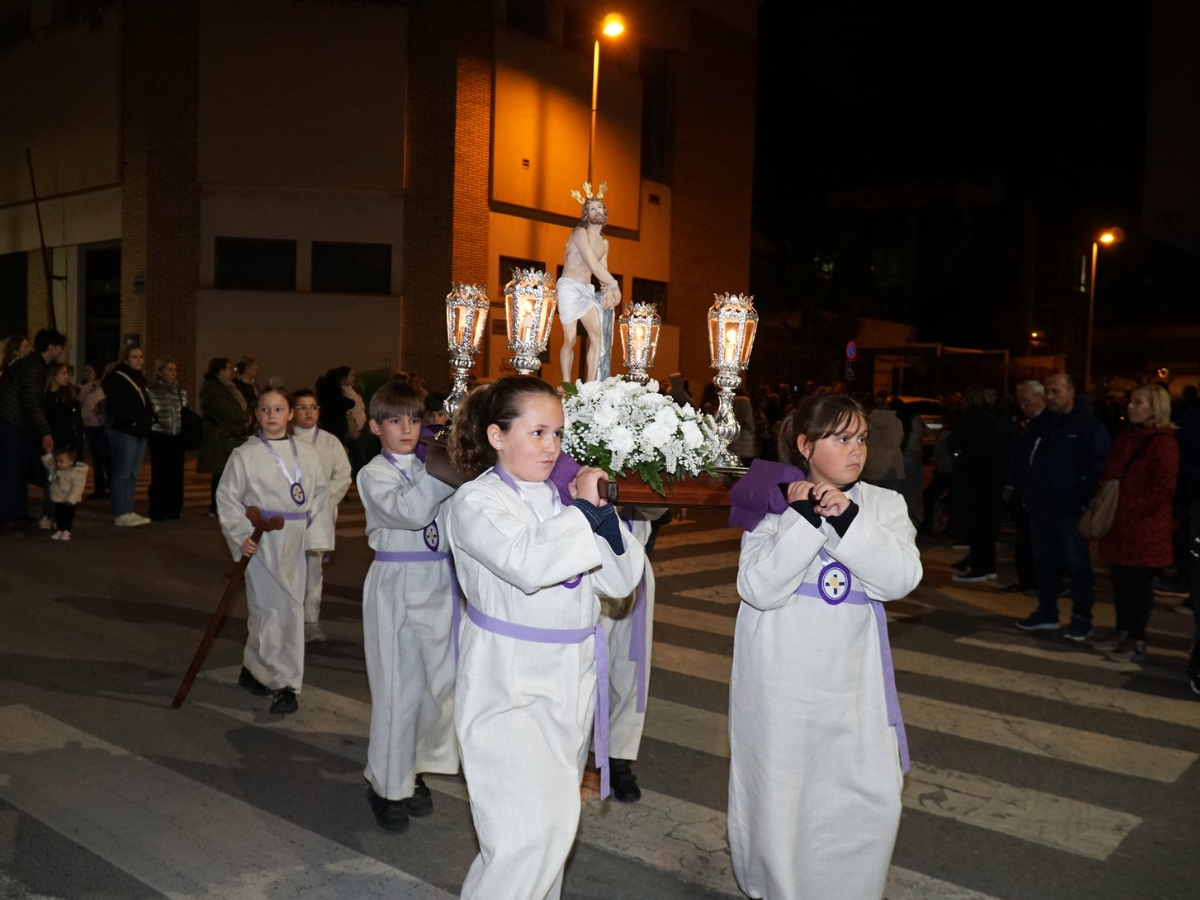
(303, 516)
(565, 636)
(855, 597)
(404, 556)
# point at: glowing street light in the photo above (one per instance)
(1109, 237)
(612, 26)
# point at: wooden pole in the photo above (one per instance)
(261, 525)
(51, 320)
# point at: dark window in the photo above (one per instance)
(656, 104)
(102, 305)
(255, 264)
(351, 268)
(528, 16)
(508, 263)
(14, 293)
(647, 291)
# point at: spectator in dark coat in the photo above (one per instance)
(1189, 465)
(130, 416)
(1069, 447)
(334, 403)
(226, 422)
(62, 409)
(24, 429)
(978, 479)
(246, 380)
(1145, 459)
(1031, 397)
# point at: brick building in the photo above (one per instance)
(302, 180)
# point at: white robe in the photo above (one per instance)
(815, 780)
(276, 575)
(407, 638)
(625, 722)
(336, 464)
(523, 710)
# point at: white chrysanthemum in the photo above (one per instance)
(657, 434)
(693, 437)
(621, 440)
(606, 416)
(588, 388)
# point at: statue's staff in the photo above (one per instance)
(261, 525)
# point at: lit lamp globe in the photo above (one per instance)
(467, 308)
(639, 340)
(529, 301)
(732, 323)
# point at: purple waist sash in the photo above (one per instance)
(895, 718)
(565, 636)
(403, 556)
(286, 516)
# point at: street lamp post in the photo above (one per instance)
(613, 26)
(1107, 238)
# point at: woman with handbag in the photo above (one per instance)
(1144, 463)
(167, 441)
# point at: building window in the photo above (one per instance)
(647, 291)
(14, 293)
(351, 268)
(255, 264)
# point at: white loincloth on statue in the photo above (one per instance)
(574, 300)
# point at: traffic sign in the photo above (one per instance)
(851, 350)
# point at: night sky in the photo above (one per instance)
(1050, 97)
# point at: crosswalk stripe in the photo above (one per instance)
(1085, 748)
(669, 834)
(1058, 822)
(1047, 687)
(687, 565)
(1068, 655)
(177, 836)
(720, 593)
(692, 538)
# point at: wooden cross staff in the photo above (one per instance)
(261, 525)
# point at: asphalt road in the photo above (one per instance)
(1040, 770)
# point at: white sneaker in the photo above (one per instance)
(313, 632)
(56, 536)
(64, 536)
(127, 520)
(45, 524)
(140, 520)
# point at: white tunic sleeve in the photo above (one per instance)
(775, 557)
(392, 502)
(619, 575)
(318, 536)
(880, 546)
(230, 511)
(339, 472)
(529, 557)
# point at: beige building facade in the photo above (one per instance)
(302, 180)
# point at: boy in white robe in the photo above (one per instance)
(532, 567)
(410, 605)
(817, 744)
(280, 476)
(337, 470)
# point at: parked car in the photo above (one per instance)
(929, 411)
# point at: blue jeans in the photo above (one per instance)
(127, 455)
(1059, 547)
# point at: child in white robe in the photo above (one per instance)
(282, 477)
(337, 470)
(410, 608)
(817, 743)
(532, 567)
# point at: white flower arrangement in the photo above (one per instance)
(625, 427)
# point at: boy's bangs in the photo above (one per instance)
(401, 407)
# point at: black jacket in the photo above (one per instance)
(21, 391)
(66, 419)
(128, 407)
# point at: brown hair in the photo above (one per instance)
(397, 398)
(817, 416)
(159, 365)
(498, 404)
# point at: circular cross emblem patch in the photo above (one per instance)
(431, 536)
(573, 583)
(834, 583)
(298, 494)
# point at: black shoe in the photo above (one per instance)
(285, 702)
(1015, 588)
(390, 814)
(623, 781)
(1079, 631)
(1038, 621)
(252, 684)
(420, 804)
(962, 564)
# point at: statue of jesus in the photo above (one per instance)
(587, 255)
